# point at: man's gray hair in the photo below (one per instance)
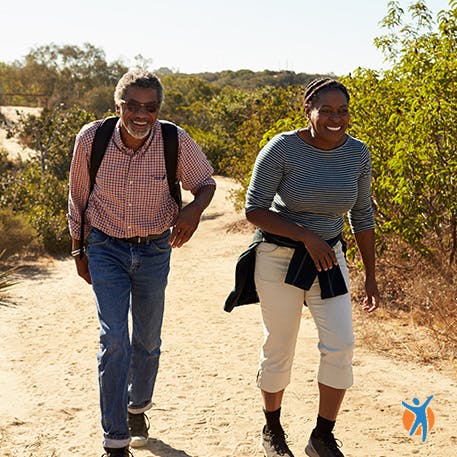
(137, 78)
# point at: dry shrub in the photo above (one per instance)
(418, 316)
(240, 226)
(16, 235)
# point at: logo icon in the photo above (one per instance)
(418, 419)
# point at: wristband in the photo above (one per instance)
(76, 252)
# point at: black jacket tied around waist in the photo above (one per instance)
(301, 272)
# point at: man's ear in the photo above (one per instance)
(117, 109)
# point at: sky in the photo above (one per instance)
(192, 36)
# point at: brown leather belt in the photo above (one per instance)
(142, 239)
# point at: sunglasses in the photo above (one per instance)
(135, 107)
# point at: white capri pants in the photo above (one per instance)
(282, 306)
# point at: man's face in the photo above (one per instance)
(138, 111)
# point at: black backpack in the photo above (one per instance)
(102, 137)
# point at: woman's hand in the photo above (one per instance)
(371, 300)
(321, 252)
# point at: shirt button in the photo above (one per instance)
(131, 182)
(129, 227)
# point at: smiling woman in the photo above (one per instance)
(327, 109)
(303, 183)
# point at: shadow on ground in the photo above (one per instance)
(161, 449)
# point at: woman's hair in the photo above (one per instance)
(320, 85)
(138, 78)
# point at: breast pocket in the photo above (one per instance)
(150, 193)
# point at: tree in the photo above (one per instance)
(38, 188)
(64, 74)
(415, 154)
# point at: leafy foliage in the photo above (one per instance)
(38, 188)
(52, 75)
(407, 117)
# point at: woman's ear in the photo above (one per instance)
(307, 109)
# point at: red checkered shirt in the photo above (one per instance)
(131, 196)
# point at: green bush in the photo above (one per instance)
(414, 155)
(38, 188)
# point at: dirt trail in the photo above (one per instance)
(206, 403)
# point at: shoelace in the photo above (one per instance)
(279, 442)
(332, 442)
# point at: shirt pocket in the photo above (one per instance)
(151, 191)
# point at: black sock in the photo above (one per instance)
(273, 422)
(323, 426)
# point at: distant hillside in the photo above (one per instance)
(248, 79)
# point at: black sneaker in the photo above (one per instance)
(274, 444)
(117, 452)
(138, 427)
(323, 446)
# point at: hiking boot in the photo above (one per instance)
(138, 427)
(274, 444)
(117, 452)
(323, 446)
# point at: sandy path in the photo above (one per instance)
(12, 145)
(206, 403)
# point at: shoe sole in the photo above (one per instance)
(138, 442)
(310, 451)
(262, 448)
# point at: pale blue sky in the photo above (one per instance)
(311, 36)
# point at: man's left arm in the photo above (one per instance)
(189, 216)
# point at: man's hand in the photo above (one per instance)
(82, 266)
(186, 224)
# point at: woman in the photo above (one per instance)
(303, 183)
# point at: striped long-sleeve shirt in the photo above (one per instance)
(313, 187)
(131, 196)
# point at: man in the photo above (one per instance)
(134, 222)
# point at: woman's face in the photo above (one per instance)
(328, 115)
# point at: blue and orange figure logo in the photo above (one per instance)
(418, 419)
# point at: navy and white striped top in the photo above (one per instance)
(314, 187)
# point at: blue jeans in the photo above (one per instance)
(127, 276)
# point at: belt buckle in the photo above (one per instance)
(138, 240)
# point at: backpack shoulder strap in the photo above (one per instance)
(99, 144)
(102, 136)
(170, 143)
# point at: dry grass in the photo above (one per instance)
(241, 225)
(418, 317)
